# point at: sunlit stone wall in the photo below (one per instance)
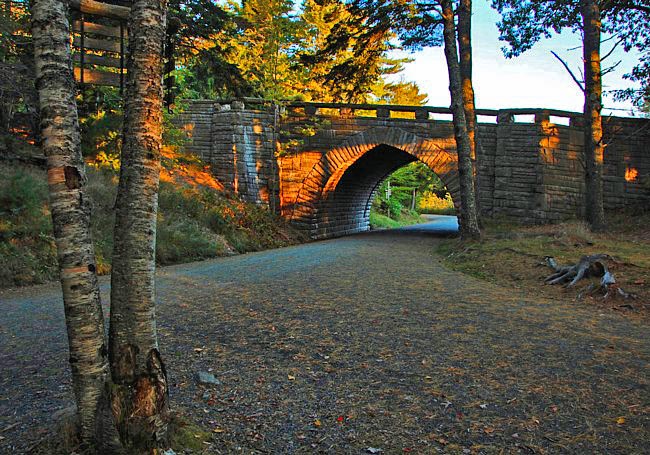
(320, 169)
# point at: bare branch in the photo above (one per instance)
(612, 50)
(575, 79)
(610, 69)
(602, 41)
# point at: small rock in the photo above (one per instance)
(207, 395)
(203, 377)
(169, 452)
(373, 450)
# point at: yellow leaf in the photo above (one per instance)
(620, 420)
(291, 377)
(317, 423)
(218, 430)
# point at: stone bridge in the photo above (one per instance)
(319, 164)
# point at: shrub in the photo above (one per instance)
(27, 250)
(432, 203)
(194, 223)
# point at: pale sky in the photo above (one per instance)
(535, 79)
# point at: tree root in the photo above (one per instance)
(588, 266)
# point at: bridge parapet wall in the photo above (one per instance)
(529, 170)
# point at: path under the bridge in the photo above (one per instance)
(361, 342)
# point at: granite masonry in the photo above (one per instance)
(319, 164)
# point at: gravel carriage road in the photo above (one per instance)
(355, 345)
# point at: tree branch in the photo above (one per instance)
(575, 79)
(612, 49)
(610, 69)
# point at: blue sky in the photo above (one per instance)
(535, 79)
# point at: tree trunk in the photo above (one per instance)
(70, 208)
(465, 51)
(467, 217)
(140, 392)
(593, 121)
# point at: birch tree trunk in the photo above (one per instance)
(70, 208)
(465, 51)
(467, 216)
(140, 391)
(594, 150)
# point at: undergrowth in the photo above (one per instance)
(194, 223)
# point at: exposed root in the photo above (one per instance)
(588, 266)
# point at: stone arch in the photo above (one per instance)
(359, 164)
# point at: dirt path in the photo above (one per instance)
(362, 342)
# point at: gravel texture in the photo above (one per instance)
(365, 342)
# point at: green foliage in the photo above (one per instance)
(344, 58)
(379, 221)
(27, 250)
(416, 178)
(402, 93)
(18, 97)
(272, 49)
(407, 218)
(203, 69)
(101, 136)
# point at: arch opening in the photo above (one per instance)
(412, 194)
(346, 200)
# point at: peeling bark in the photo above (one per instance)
(140, 391)
(467, 216)
(593, 146)
(70, 208)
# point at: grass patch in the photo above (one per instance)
(185, 436)
(513, 255)
(379, 221)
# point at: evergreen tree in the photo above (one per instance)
(203, 70)
(350, 56)
(403, 93)
(263, 46)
